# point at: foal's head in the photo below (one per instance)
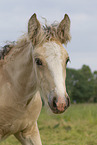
(50, 58)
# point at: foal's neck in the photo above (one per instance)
(21, 74)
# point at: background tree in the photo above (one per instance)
(82, 84)
(95, 85)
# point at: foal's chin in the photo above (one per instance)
(57, 111)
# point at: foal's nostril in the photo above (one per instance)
(68, 102)
(54, 102)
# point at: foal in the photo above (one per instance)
(35, 66)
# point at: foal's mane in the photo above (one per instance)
(11, 48)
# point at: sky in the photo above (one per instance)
(14, 16)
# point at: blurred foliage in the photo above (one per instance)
(82, 84)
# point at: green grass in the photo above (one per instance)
(77, 126)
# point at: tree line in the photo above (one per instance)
(81, 84)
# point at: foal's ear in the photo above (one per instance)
(63, 30)
(34, 29)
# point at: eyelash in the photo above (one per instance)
(67, 60)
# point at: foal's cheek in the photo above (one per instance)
(41, 76)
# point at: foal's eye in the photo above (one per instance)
(38, 61)
(67, 60)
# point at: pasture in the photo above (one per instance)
(77, 126)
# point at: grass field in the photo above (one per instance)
(77, 126)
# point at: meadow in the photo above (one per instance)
(77, 126)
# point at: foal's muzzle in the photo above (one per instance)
(59, 104)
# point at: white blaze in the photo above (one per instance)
(54, 61)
